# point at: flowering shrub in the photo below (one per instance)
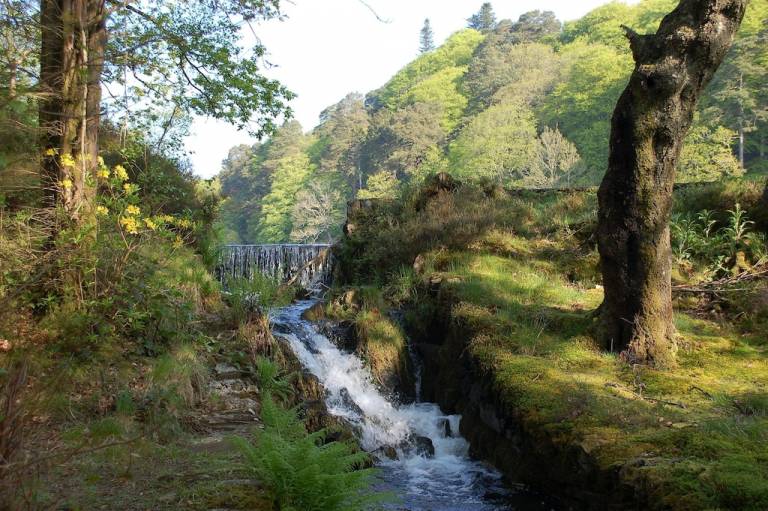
(133, 273)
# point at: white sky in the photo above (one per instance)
(328, 48)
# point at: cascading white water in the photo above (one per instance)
(278, 261)
(449, 480)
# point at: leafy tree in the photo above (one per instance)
(498, 144)
(527, 71)
(399, 141)
(442, 90)
(185, 54)
(342, 132)
(427, 40)
(738, 97)
(243, 184)
(288, 140)
(707, 155)
(318, 213)
(484, 20)
(603, 24)
(382, 185)
(291, 175)
(554, 159)
(455, 52)
(534, 26)
(581, 104)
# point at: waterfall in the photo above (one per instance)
(422, 456)
(281, 262)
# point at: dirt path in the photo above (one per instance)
(196, 470)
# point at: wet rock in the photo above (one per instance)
(386, 451)
(424, 446)
(348, 402)
(341, 333)
(314, 313)
(445, 427)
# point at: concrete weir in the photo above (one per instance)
(305, 264)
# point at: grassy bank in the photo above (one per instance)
(518, 272)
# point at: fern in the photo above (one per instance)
(302, 472)
(268, 375)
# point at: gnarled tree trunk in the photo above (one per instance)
(71, 61)
(651, 119)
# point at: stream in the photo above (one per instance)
(448, 480)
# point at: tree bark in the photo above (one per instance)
(650, 121)
(73, 42)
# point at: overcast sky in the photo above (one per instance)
(328, 48)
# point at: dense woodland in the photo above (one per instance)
(523, 103)
(604, 346)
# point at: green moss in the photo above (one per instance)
(523, 285)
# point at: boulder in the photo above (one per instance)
(424, 446)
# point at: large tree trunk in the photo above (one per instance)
(649, 124)
(71, 61)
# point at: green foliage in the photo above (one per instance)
(270, 380)
(190, 56)
(301, 472)
(291, 174)
(498, 144)
(485, 105)
(534, 26)
(382, 185)
(247, 296)
(730, 246)
(442, 88)
(506, 71)
(603, 24)
(707, 155)
(484, 20)
(581, 106)
(456, 52)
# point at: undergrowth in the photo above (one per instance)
(516, 276)
(301, 470)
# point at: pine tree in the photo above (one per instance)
(484, 20)
(427, 39)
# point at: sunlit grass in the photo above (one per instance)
(704, 424)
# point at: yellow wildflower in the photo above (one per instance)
(121, 173)
(130, 224)
(178, 242)
(103, 173)
(50, 152)
(101, 161)
(66, 184)
(167, 219)
(129, 188)
(67, 160)
(102, 210)
(184, 223)
(132, 210)
(150, 224)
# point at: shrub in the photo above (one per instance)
(732, 247)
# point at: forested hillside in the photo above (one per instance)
(523, 103)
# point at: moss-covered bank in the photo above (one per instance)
(499, 291)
